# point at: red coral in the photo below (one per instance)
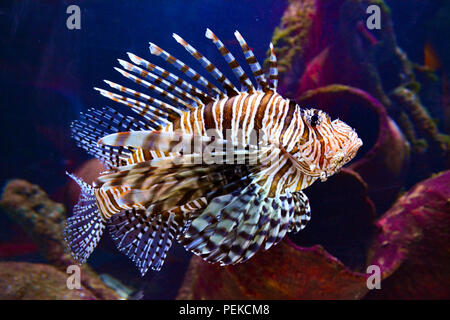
(284, 272)
(412, 243)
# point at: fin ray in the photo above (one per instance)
(84, 229)
(156, 80)
(144, 238)
(273, 69)
(205, 63)
(235, 226)
(181, 66)
(170, 77)
(233, 64)
(252, 62)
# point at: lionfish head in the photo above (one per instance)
(326, 145)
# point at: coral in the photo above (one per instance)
(291, 38)
(22, 280)
(368, 60)
(302, 34)
(365, 79)
(43, 219)
(283, 272)
(417, 145)
(420, 117)
(411, 244)
(315, 54)
(40, 217)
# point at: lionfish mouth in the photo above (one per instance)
(353, 148)
(340, 159)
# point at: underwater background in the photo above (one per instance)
(389, 207)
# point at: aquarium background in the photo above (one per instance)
(389, 208)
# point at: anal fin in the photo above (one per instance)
(144, 237)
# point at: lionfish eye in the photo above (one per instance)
(315, 120)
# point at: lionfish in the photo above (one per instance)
(223, 211)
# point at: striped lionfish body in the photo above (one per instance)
(219, 169)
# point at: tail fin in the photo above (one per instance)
(84, 229)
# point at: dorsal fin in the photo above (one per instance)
(205, 63)
(175, 106)
(247, 86)
(252, 62)
(156, 112)
(273, 69)
(97, 123)
(175, 80)
(156, 80)
(191, 73)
